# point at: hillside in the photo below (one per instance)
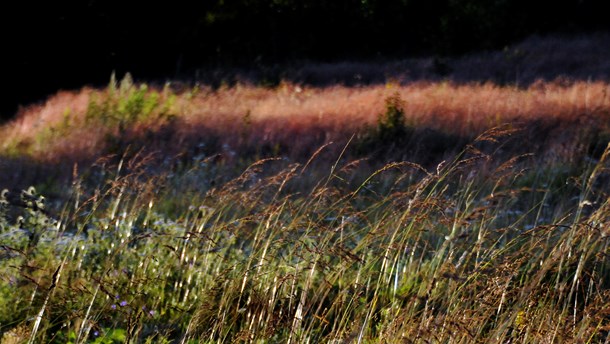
(255, 209)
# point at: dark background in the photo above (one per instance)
(49, 46)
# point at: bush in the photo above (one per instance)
(391, 131)
(391, 124)
(126, 104)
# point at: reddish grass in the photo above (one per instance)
(301, 119)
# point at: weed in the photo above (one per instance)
(128, 103)
(391, 125)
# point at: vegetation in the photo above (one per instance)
(425, 212)
(448, 255)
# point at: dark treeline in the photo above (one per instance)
(67, 44)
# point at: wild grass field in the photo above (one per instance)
(399, 212)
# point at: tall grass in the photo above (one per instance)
(478, 249)
(428, 212)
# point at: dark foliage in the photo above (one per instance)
(67, 44)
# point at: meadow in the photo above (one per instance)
(417, 212)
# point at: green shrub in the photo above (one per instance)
(128, 103)
(392, 130)
(391, 125)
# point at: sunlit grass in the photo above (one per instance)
(430, 212)
(268, 121)
(448, 254)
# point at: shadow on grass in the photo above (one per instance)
(220, 155)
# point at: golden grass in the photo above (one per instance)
(451, 256)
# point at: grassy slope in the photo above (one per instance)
(289, 214)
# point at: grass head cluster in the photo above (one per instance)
(479, 248)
